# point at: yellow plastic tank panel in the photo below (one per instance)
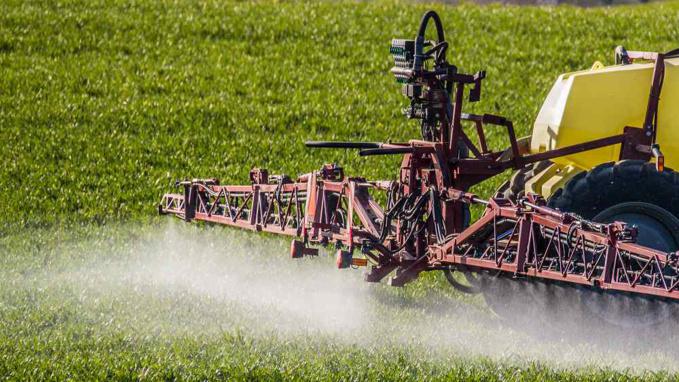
(600, 102)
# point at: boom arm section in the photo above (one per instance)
(526, 239)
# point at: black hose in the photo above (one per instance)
(439, 228)
(437, 21)
(386, 222)
(409, 215)
(419, 41)
(417, 206)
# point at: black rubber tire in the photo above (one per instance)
(587, 194)
(515, 187)
(590, 192)
(513, 300)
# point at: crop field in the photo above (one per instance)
(104, 104)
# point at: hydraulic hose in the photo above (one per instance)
(437, 21)
(419, 41)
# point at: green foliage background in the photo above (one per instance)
(103, 104)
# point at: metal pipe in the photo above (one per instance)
(342, 145)
(387, 151)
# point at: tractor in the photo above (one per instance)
(591, 209)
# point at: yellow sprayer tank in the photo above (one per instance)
(600, 102)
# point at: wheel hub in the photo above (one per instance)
(657, 228)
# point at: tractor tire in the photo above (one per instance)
(634, 192)
(616, 191)
(608, 184)
(608, 192)
(515, 187)
(513, 301)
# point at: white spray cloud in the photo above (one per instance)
(177, 279)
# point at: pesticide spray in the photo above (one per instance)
(180, 280)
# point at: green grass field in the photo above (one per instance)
(104, 104)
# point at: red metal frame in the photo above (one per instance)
(424, 226)
(525, 239)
